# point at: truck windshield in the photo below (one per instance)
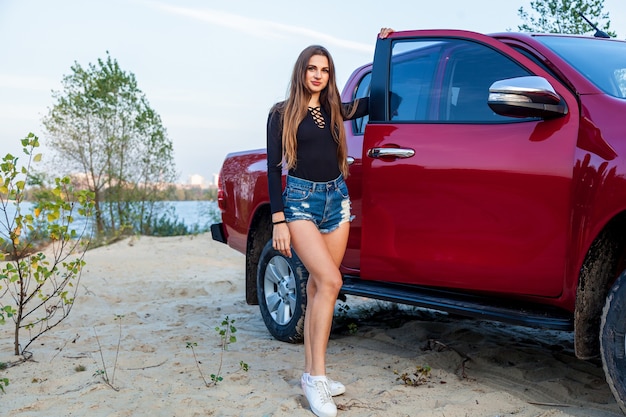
(601, 61)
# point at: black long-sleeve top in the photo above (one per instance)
(316, 158)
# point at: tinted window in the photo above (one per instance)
(601, 61)
(412, 82)
(446, 80)
(363, 90)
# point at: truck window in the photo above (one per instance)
(363, 90)
(620, 77)
(446, 80)
(602, 63)
(413, 71)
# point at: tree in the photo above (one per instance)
(562, 16)
(37, 288)
(102, 126)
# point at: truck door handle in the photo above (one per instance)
(390, 153)
(350, 160)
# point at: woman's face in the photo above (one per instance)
(317, 74)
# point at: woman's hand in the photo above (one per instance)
(384, 32)
(281, 239)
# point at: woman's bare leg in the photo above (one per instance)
(321, 254)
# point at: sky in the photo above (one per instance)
(210, 69)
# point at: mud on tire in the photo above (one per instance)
(281, 289)
(612, 340)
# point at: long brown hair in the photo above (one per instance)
(294, 109)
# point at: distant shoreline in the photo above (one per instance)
(190, 212)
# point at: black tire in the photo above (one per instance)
(613, 342)
(281, 289)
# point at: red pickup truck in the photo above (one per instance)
(489, 181)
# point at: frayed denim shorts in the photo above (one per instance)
(326, 204)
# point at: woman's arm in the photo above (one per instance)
(358, 108)
(281, 238)
(274, 160)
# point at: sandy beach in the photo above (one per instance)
(154, 297)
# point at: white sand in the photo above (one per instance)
(171, 291)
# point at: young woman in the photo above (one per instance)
(312, 214)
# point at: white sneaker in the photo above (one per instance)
(318, 395)
(335, 387)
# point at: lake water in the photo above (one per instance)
(200, 213)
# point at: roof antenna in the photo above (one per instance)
(599, 33)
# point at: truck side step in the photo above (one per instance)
(463, 304)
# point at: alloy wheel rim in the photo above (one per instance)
(279, 286)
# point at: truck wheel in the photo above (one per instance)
(281, 288)
(613, 340)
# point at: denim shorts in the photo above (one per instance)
(326, 204)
